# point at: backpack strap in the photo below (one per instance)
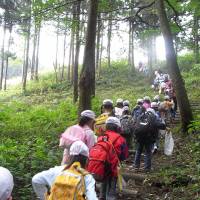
(115, 140)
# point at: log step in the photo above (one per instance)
(133, 176)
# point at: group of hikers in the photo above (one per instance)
(94, 149)
(164, 85)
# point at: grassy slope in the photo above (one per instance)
(31, 124)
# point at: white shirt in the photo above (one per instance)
(45, 179)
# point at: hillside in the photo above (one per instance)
(30, 126)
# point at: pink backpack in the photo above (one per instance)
(72, 134)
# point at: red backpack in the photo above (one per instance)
(119, 144)
(103, 160)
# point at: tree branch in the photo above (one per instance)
(176, 14)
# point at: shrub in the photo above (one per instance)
(186, 62)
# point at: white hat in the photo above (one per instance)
(88, 113)
(126, 103)
(166, 97)
(6, 183)
(113, 120)
(139, 100)
(156, 97)
(125, 108)
(151, 110)
(119, 100)
(78, 148)
(147, 98)
(107, 102)
(154, 105)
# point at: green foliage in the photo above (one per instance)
(194, 127)
(29, 139)
(195, 69)
(186, 62)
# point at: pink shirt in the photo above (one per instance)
(89, 136)
(146, 105)
(74, 133)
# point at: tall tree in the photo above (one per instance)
(70, 60)
(8, 54)
(77, 33)
(98, 40)
(87, 77)
(25, 70)
(56, 55)
(2, 55)
(196, 35)
(37, 52)
(182, 98)
(109, 37)
(34, 52)
(64, 53)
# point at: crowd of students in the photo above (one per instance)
(94, 148)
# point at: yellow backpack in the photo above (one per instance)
(69, 185)
(100, 124)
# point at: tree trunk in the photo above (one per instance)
(73, 42)
(2, 55)
(76, 62)
(87, 78)
(27, 57)
(131, 57)
(64, 54)
(181, 94)
(132, 39)
(70, 57)
(196, 37)
(98, 40)
(132, 51)
(24, 58)
(37, 54)
(101, 52)
(150, 54)
(56, 56)
(129, 46)
(34, 50)
(109, 37)
(7, 59)
(154, 53)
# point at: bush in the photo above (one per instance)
(196, 69)
(186, 62)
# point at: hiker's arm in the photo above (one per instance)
(43, 180)
(90, 188)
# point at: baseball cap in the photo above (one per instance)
(88, 113)
(113, 120)
(119, 100)
(107, 102)
(79, 148)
